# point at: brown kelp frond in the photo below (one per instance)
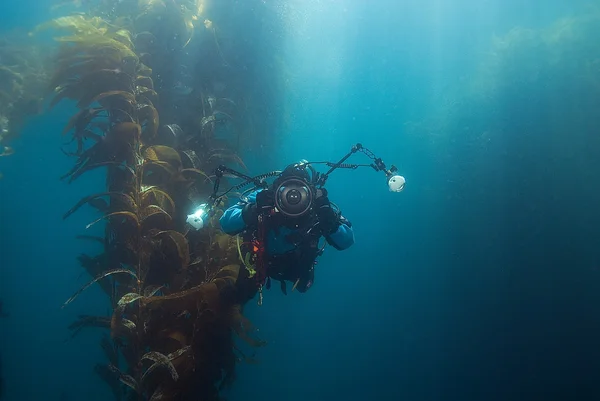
(154, 216)
(148, 117)
(115, 96)
(84, 321)
(114, 148)
(224, 156)
(195, 175)
(244, 328)
(88, 166)
(151, 290)
(163, 167)
(129, 298)
(125, 379)
(190, 295)
(157, 173)
(80, 121)
(145, 95)
(100, 277)
(164, 154)
(159, 360)
(92, 84)
(226, 277)
(201, 294)
(110, 378)
(153, 195)
(175, 243)
(126, 201)
(97, 265)
(91, 31)
(118, 325)
(92, 238)
(121, 327)
(110, 350)
(129, 215)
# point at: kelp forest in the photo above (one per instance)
(163, 92)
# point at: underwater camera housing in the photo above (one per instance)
(293, 197)
(295, 189)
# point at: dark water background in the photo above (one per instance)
(478, 282)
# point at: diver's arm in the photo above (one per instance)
(343, 237)
(240, 216)
(336, 229)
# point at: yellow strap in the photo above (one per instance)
(246, 261)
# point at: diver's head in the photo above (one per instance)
(293, 190)
(295, 170)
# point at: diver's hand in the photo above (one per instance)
(328, 220)
(265, 199)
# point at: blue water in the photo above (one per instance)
(478, 282)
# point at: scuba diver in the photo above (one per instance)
(281, 225)
(293, 225)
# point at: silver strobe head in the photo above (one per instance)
(396, 183)
(198, 218)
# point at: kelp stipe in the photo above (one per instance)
(173, 295)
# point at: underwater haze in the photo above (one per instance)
(479, 281)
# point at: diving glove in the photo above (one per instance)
(264, 199)
(328, 219)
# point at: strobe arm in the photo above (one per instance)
(221, 170)
(333, 166)
(377, 165)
